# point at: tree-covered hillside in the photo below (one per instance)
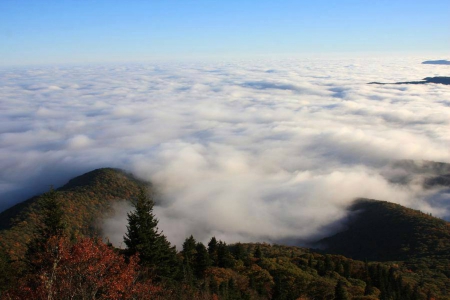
(384, 231)
(50, 249)
(85, 200)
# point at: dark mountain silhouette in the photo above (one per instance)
(436, 62)
(437, 80)
(441, 180)
(384, 231)
(424, 167)
(432, 174)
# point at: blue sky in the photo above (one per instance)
(34, 32)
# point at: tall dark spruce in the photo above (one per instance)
(340, 292)
(52, 224)
(143, 237)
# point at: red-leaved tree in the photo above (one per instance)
(88, 269)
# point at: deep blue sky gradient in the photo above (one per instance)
(50, 31)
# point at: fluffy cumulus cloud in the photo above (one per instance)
(245, 150)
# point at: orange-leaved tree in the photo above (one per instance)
(87, 269)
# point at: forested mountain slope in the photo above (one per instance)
(85, 199)
(384, 231)
(413, 247)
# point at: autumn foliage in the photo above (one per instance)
(87, 269)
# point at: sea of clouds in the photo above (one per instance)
(263, 150)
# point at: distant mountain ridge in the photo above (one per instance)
(436, 62)
(384, 231)
(432, 174)
(88, 199)
(436, 80)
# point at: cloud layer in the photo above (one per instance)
(249, 151)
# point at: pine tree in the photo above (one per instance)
(213, 285)
(202, 261)
(310, 261)
(7, 271)
(233, 291)
(239, 252)
(339, 268)
(415, 294)
(224, 257)
(258, 252)
(347, 269)
(320, 267)
(188, 259)
(189, 250)
(282, 289)
(143, 237)
(368, 290)
(212, 251)
(340, 292)
(329, 265)
(52, 224)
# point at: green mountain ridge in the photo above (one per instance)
(377, 230)
(414, 248)
(384, 231)
(86, 199)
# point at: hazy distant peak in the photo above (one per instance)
(383, 231)
(436, 62)
(422, 166)
(437, 80)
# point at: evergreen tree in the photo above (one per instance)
(320, 267)
(189, 250)
(233, 291)
(143, 237)
(329, 265)
(282, 289)
(415, 294)
(368, 290)
(407, 291)
(340, 292)
(430, 294)
(367, 275)
(223, 290)
(258, 252)
(52, 224)
(347, 269)
(202, 261)
(213, 285)
(339, 268)
(239, 252)
(188, 259)
(224, 257)
(7, 271)
(310, 261)
(212, 251)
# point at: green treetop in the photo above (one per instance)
(144, 238)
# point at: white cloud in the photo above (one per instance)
(261, 150)
(79, 141)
